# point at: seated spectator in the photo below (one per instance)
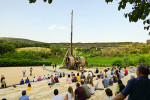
(84, 80)
(105, 81)
(56, 79)
(34, 79)
(21, 82)
(44, 77)
(74, 79)
(108, 73)
(78, 77)
(4, 99)
(63, 74)
(111, 80)
(70, 94)
(120, 87)
(132, 69)
(49, 82)
(29, 87)
(109, 94)
(48, 76)
(99, 85)
(116, 76)
(121, 73)
(91, 87)
(101, 75)
(24, 96)
(27, 80)
(126, 71)
(82, 75)
(69, 80)
(89, 78)
(112, 71)
(137, 88)
(86, 90)
(132, 76)
(57, 97)
(60, 75)
(79, 93)
(39, 78)
(97, 71)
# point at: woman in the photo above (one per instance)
(91, 87)
(70, 94)
(69, 79)
(78, 77)
(120, 87)
(29, 87)
(116, 76)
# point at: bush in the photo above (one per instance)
(117, 62)
(132, 62)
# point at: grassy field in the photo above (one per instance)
(101, 61)
(34, 49)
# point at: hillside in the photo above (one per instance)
(10, 39)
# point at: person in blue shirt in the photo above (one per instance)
(27, 80)
(21, 82)
(82, 75)
(24, 96)
(105, 81)
(137, 88)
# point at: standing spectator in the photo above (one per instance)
(126, 71)
(55, 67)
(3, 83)
(24, 72)
(86, 90)
(21, 82)
(70, 94)
(69, 79)
(79, 93)
(39, 78)
(31, 69)
(137, 88)
(29, 87)
(109, 94)
(27, 80)
(78, 77)
(44, 77)
(2, 77)
(57, 97)
(34, 79)
(24, 96)
(105, 81)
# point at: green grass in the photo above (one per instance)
(57, 61)
(101, 61)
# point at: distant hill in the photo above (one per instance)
(10, 39)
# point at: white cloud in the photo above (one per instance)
(55, 27)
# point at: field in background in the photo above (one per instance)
(34, 49)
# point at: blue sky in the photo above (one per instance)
(94, 21)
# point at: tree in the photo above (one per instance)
(140, 10)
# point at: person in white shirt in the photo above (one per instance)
(57, 97)
(108, 73)
(24, 71)
(49, 82)
(44, 77)
(121, 73)
(91, 87)
(70, 94)
(34, 79)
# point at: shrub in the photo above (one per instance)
(117, 62)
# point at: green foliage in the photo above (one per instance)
(5, 62)
(6, 47)
(132, 62)
(117, 62)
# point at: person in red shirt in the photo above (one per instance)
(126, 71)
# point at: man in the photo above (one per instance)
(97, 71)
(137, 88)
(105, 81)
(31, 71)
(86, 90)
(79, 93)
(108, 73)
(24, 72)
(57, 97)
(89, 78)
(27, 80)
(55, 67)
(24, 96)
(126, 71)
(21, 82)
(82, 75)
(2, 77)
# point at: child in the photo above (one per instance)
(109, 94)
(29, 87)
